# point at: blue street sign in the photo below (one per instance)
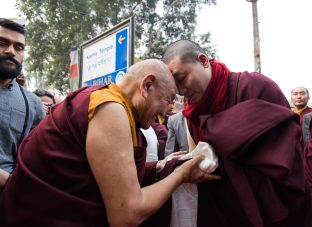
(106, 58)
(121, 49)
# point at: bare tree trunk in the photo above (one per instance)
(256, 35)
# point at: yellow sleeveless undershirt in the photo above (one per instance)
(113, 94)
(299, 111)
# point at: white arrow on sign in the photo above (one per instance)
(120, 39)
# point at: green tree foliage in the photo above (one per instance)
(55, 26)
(204, 40)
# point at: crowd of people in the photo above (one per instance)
(117, 155)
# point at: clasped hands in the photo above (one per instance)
(201, 162)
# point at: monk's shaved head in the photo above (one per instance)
(150, 67)
(186, 50)
(300, 88)
(300, 97)
(150, 87)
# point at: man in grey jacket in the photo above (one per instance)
(177, 137)
(20, 110)
(305, 128)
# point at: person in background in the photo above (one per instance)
(177, 137)
(156, 136)
(305, 128)
(184, 200)
(57, 98)
(85, 162)
(20, 109)
(308, 151)
(163, 118)
(300, 97)
(152, 144)
(46, 97)
(248, 122)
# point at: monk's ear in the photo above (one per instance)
(147, 84)
(203, 59)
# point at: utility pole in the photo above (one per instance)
(256, 35)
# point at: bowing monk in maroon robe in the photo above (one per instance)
(84, 163)
(247, 120)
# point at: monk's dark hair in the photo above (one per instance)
(9, 24)
(187, 50)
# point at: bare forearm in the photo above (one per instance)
(154, 196)
(145, 202)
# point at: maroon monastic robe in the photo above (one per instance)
(52, 184)
(161, 132)
(257, 140)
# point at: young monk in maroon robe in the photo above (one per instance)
(300, 98)
(84, 163)
(247, 120)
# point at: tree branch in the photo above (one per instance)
(152, 43)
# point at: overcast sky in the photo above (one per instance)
(285, 37)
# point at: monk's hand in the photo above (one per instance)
(175, 155)
(193, 174)
(161, 163)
